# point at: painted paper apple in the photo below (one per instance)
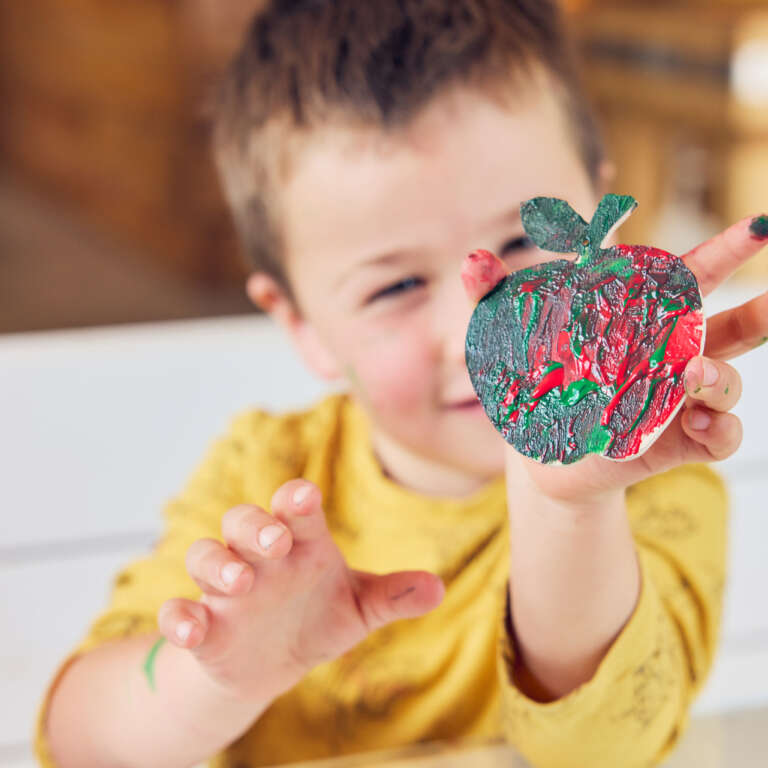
(578, 356)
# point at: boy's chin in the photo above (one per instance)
(470, 442)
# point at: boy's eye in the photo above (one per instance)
(516, 244)
(397, 288)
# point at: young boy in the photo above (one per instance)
(382, 568)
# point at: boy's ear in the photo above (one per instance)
(266, 293)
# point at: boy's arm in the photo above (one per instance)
(104, 714)
(574, 583)
(625, 701)
(106, 666)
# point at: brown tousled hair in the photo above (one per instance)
(375, 63)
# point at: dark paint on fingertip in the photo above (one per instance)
(759, 227)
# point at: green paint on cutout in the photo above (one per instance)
(658, 356)
(576, 390)
(651, 388)
(726, 389)
(621, 267)
(513, 339)
(598, 439)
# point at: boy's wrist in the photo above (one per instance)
(531, 498)
(225, 708)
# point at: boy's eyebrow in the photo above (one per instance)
(508, 215)
(382, 258)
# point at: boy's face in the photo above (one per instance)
(376, 228)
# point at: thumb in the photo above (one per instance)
(401, 595)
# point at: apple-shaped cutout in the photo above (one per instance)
(574, 357)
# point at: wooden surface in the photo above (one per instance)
(730, 740)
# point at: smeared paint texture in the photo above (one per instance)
(149, 664)
(759, 227)
(572, 358)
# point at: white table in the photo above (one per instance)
(101, 426)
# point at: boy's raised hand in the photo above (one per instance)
(269, 614)
(703, 430)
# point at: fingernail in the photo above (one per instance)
(699, 419)
(710, 373)
(230, 572)
(183, 630)
(300, 494)
(692, 381)
(269, 535)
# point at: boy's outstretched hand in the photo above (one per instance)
(269, 614)
(703, 430)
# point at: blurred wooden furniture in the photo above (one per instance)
(674, 75)
(104, 111)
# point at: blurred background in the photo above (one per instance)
(127, 341)
(110, 210)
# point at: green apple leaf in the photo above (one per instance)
(610, 214)
(552, 224)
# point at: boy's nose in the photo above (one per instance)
(481, 271)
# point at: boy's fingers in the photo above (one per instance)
(735, 331)
(480, 273)
(183, 622)
(254, 534)
(298, 503)
(392, 596)
(714, 260)
(718, 434)
(217, 570)
(712, 383)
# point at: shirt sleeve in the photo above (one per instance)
(140, 588)
(634, 709)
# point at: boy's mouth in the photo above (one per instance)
(464, 405)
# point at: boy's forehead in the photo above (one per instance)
(462, 165)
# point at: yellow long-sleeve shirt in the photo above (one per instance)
(446, 675)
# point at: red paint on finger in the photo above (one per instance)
(482, 271)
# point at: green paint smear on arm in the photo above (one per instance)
(149, 664)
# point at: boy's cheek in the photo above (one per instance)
(396, 375)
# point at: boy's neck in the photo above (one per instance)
(420, 474)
